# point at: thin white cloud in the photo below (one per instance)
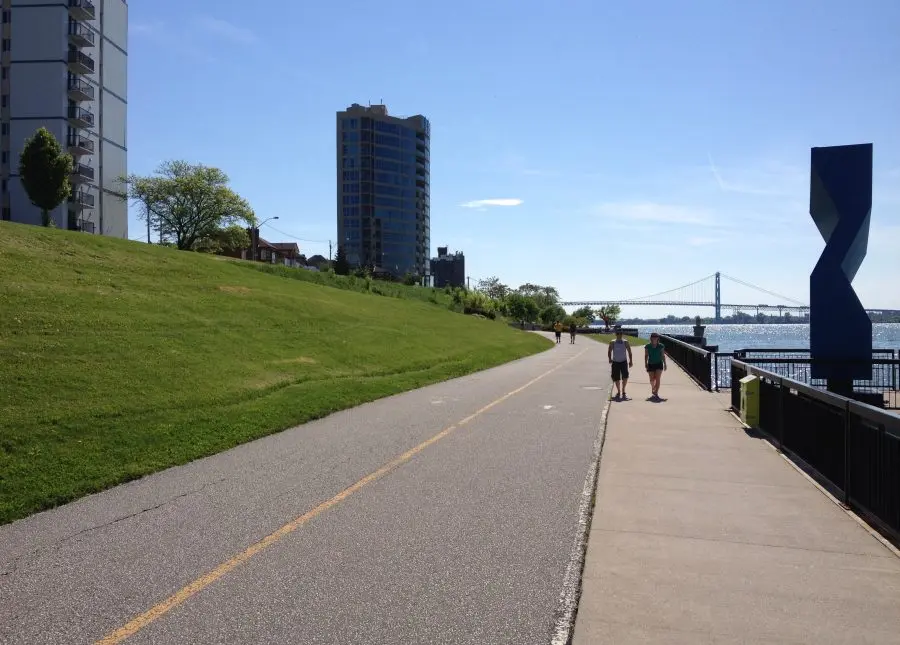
(227, 30)
(765, 183)
(703, 241)
(149, 28)
(481, 203)
(652, 212)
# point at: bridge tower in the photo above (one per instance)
(718, 297)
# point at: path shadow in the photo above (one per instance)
(753, 433)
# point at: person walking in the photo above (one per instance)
(619, 355)
(557, 327)
(655, 362)
(572, 331)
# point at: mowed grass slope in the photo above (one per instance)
(118, 359)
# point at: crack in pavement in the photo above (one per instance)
(12, 565)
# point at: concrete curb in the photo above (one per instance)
(563, 627)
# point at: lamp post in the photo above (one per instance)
(254, 236)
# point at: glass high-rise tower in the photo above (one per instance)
(383, 190)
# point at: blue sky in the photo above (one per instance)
(644, 145)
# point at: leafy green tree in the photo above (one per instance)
(410, 279)
(521, 307)
(543, 296)
(188, 201)
(609, 314)
(493, 288)
(224, 240)
(585, 313)
(45, 170)
(552, 313)
(341, 265)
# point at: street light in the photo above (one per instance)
(254, 243)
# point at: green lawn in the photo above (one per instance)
(605, 338)
(119, 358)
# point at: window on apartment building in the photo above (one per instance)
(4, 158)
(4, 100)
(4, 73)
(4, 129)
(6, 45)
(4, 186)
(6, 16)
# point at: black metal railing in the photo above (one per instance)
(695, 361)
(797, 364)
(76, 141)
(78, 30)
(80, 58)
(852, 448)
(78, 85)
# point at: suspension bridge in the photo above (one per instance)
(707, 292)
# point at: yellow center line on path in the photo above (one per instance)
(157, 611)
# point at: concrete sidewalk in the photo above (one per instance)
(704, 534)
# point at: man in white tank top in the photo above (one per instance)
(620, 358)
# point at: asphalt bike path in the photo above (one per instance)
(443, 515)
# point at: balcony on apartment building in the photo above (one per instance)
(82, 9)
(80, 90)
(80, 34)
(82, 174)
(79, 145)
(79, 117)
(80, 199)
(80, 63)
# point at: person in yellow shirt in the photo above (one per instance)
(557, 327)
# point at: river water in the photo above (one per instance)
(733, 337)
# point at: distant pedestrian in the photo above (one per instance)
(572, 330)
(620, 358)
(655, 361)
(557, 327)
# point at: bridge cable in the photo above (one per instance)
(662, 293)
(766, 291)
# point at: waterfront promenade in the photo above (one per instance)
(453, 514)
(703, 533)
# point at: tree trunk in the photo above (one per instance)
(45, 217)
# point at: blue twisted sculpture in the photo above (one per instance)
(840, 202)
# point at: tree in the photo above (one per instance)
(543, 296)
(585, 313)
(609, 314)
(224, 240)
(341, 265)
(493, 288)
(552, 313)
(410, 279)
(188, 201)
(45, 170)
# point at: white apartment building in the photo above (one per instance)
(63, 66)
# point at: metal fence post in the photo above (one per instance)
(781, 415)
(847, 453)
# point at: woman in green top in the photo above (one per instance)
(655, 361)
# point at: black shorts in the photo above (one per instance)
(558, 334)
(619, 370)
(654, 367)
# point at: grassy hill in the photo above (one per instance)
(118, 359)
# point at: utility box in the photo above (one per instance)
(750, 400)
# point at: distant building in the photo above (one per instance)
(65, 68)
(448, 269)
(383, 189)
